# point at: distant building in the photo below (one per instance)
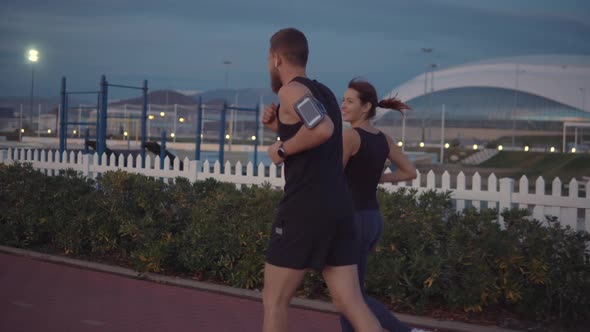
(532, 93)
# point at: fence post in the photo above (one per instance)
(506, 190)
(86, 158)
(3, 156)
(194, 168)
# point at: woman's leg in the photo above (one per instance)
(370, 229)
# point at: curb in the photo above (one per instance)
(317, 305)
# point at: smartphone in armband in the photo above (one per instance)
(310, 110)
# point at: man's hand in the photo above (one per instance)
(274, 154)
(269, 118)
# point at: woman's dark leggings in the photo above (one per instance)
(369, 225)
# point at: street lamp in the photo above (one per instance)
(181, 120)
(426, 50)
(232, 120)
(433, 67)
(33, 57)
(126, 137)
(227, 63)
(518, 72)
(403, 130)
(583, 91)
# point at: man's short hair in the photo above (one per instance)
(291, 44)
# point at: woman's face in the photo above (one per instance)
(352, 108)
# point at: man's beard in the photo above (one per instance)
(275, 81)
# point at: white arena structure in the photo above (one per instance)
(486, 99)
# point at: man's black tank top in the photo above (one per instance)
(364, 169)
(315, 185)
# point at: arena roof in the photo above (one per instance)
(561, 78)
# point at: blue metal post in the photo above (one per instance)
(101, 144)
(97, 127)
(104, 115)
(163, 149)
(86, 139)
(65, 112)
(256, 139)
(199, 130)
(99, 118)
(144, 118)
(222, 136)
(62, 122)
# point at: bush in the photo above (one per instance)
(25, 204)
(430, 256)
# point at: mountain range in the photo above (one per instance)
(245, 97)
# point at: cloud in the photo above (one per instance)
(182, 44)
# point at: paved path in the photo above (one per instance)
(41, 296)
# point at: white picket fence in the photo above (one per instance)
(572, 208)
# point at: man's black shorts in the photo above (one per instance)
(313, 244)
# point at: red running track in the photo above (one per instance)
(46, 297)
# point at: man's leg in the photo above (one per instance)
(280, 284)
(343, 284)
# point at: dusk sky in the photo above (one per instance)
(182, 44)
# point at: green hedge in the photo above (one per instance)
(429, 256)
